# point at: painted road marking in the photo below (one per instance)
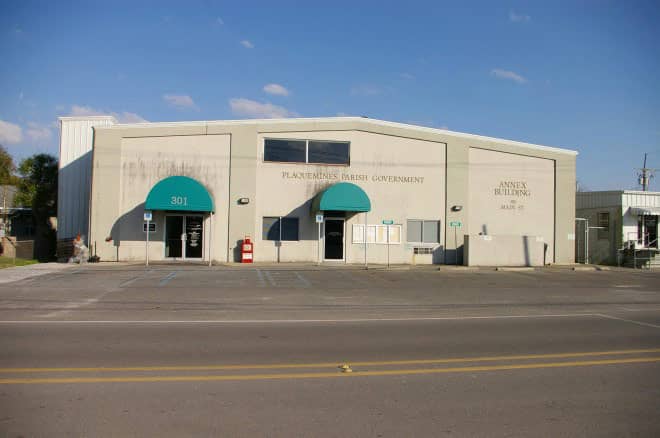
(134, 279)
(301, 321)
(302, 279)
(323, 375)
(645, 324)
(262, 282)
(331, 364)
(68, 307)
(269, 277)
(167, 278)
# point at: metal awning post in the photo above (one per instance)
(147, 245)
(586, 238)
(210, 238)
(366, 264)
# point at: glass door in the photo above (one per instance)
(194, 237)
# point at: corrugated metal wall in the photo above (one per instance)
(641, 199)
(75, 173)
(597, 199)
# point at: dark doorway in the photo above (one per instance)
(173, 242)
(184, 236)
(334, 239)
(651, 223)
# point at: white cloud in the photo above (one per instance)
(253, 109)
(83, 111)
(507, 74)
(519, 18)
(180, 101)
(247, 44)
(37, 132)
(220, 21)
(10, 133)
(365, 90)
(276, 89)
(123, 117)
(127, 117)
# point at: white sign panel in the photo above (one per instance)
(319, 218)
(148, 216)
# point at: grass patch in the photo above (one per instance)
(8, 262)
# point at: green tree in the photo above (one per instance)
(7, 168)
(37, 188)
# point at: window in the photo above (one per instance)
(326, 152)
(287, 151)
(307, 151)
(422, 231)
(280, 228)
(604, 222)
(377, 234)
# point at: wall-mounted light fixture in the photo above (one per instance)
(456, 208)
(243, 201)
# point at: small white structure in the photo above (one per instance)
(622, 227)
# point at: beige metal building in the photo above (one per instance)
(313, 190)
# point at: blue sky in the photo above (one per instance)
(579, 75)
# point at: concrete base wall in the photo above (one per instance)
(22, 249)
(483, 250)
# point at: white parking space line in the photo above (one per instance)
(302, 279)
(167, 278)
(645, 324)
(270, 279)
(68, 307)
(262, 282)
(134, 279)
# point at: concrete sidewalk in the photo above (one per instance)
(8, 275)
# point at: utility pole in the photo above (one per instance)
(645, 175)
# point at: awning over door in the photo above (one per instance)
(341, 197)
(645, 211)
(179, 193)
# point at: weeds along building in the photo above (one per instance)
(313, 190)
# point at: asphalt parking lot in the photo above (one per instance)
(184, 350)
(307, 292)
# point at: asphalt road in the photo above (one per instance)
(186, 351)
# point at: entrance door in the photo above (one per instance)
(194, 237)
(173, 242)
(184, 236)
(651, 223)
(334, 239)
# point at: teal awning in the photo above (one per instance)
(341, 197)
(179, 193)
